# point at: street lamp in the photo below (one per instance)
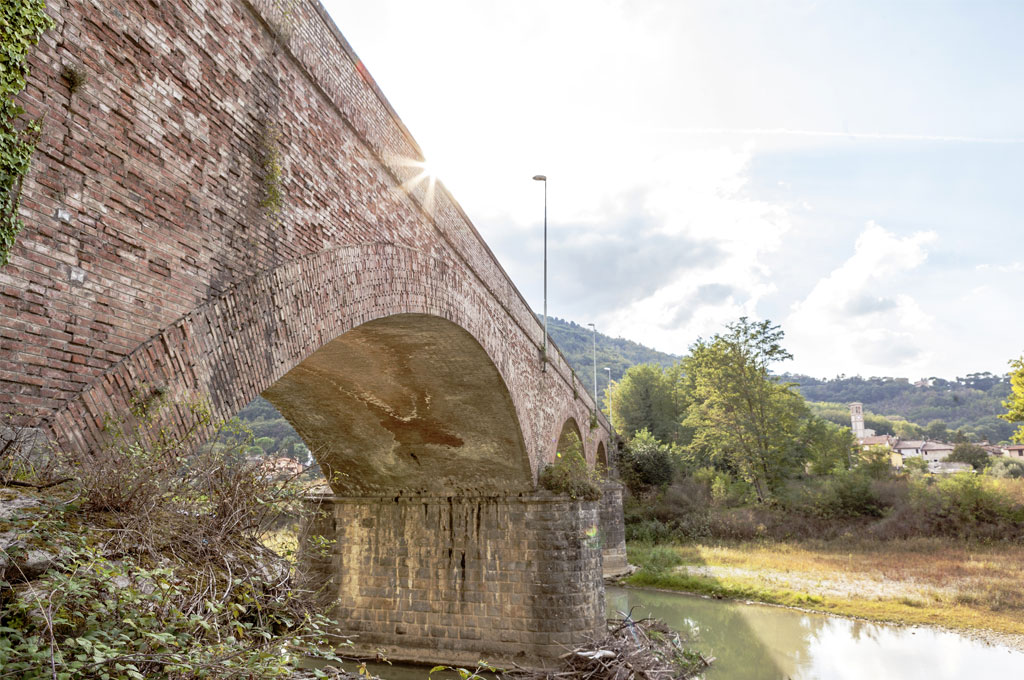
(608, 391)
(543, 178)
(595, 365)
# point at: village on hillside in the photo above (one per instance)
(934, 453)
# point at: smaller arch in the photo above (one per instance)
(565, 439)
(601, 457)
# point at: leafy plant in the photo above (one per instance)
(22, 22)
(272, 200)
(570, 474)
(160, 570)
(647, 462)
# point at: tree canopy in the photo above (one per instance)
(1015, 403)
(742, 416)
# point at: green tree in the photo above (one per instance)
(743, 418)
(829, 447)
(1015, 403)
(648, 461)
(875, 461)
(915, 464)
(907, 430)
(649, 397)
(937, 429)
(965, 452)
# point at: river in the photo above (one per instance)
(759, 642)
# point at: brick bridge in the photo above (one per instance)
(362, 303)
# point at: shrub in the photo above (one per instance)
(648, 531)
(848, 494)
(660, 559)
(647, 462)
(1005, 468)
(571, 475)
(160, 571)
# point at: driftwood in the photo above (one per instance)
(645, 649)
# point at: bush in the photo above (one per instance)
(655, 559)
(571, 475)
(848, 494)
(725, 489)
(648, 531)
(1005, 468)
(159, 570)
(647, 462)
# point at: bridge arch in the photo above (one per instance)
(569, 427)
(239, 344)
(601, 457)
(409, 403)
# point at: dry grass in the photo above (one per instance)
(925, 581)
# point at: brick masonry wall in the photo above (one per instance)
(147, 259)
(454, 580)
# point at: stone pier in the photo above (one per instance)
(458, 579)
(613, 530)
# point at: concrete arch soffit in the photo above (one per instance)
(406, 404)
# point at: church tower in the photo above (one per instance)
(857, 420)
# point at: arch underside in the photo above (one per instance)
(406, 404)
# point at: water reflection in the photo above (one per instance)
(753, 642)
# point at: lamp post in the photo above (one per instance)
(608, 391)
(594, 354)
(544, 354)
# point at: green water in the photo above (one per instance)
(757, 642)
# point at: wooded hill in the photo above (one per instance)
(576, 344)
(971, 404)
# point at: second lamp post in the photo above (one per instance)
(544, 355)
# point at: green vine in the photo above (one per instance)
(21, 24)
(270, 152)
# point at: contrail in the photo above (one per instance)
(899, 137)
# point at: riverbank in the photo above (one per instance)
(966, 587)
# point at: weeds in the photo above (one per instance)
(159, 569)
(571, 475)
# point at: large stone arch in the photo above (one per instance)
(407, 404)
(237, 345)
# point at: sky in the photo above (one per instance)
(852, 171)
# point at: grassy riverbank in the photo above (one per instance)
(938, 582)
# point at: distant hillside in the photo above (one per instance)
(972, 403)
(618, 354)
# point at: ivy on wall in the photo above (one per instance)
(21, 24)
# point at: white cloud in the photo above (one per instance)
(703, 199)
(858, 319)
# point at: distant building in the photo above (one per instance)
(277, 467)
(934, 452)
(877, 440)
(940, 467)
(857, 421)
(896, 460)
(909, 447)
(1013, 450)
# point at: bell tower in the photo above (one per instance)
(857, 419)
